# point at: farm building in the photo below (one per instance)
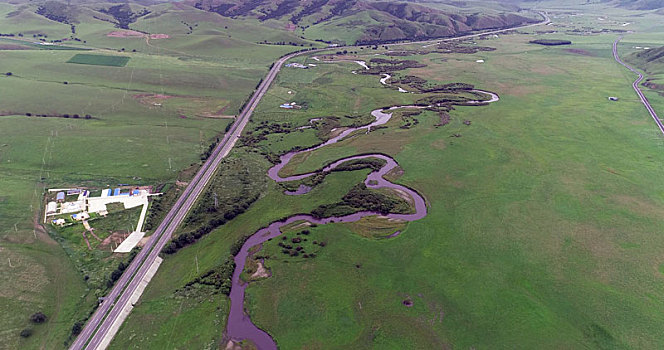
(58, 222)
(286, 106)
(51, 207)
(60, 197)
(72, 207)
(83, 194)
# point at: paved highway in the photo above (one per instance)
(635, 85)
(99, 323)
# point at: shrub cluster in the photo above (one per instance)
(38, 317)
(382, 65)
(360, 198)
(294, 247)
(551, 42)
(219, 276)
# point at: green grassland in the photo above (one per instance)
(99, 60)
(541, 220)
(542, 225)
(162, 313)
(148, 120)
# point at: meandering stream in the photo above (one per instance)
(239, 325)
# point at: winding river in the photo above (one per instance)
(239, 326)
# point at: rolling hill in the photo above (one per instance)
(652, 62)
(363, 22)
(298, 21)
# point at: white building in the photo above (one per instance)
(51, 208)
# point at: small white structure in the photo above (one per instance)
(480, 61)
(80, 216)
(59, 222)
(51, 208)
(613, 98)
(296, 65)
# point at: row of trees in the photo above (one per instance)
(57, 115)
(190, 237)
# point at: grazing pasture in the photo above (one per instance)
(543, 210)
(148, 121)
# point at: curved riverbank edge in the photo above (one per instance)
(239, 325)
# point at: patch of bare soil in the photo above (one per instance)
(545, 70)
(142, 242)
(336, 131)
(125, 34)
(135, 34)
(151, 99)
(579, 52)
(261, 271)
(383, 217)
(638, 206)
(405, 196)
(394, 174)
(40, 231)
(219, 114)
(244, 345)
(303, 225)
(439, 144)
(13, 47)
(115, 237)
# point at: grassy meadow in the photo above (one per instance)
(543, 220)
(148, 120)
(543, 214)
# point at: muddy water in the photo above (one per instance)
(239, 326)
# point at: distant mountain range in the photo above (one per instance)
(332, 21)
(377, 21)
